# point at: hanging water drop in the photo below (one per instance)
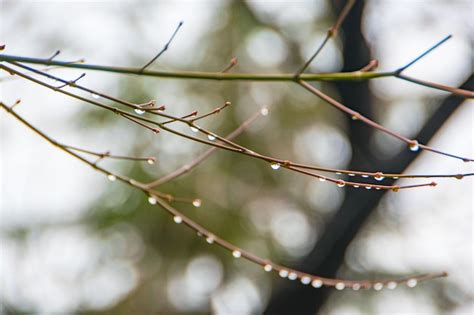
(194, 129)
(177, 219)
(341, 183)
(305, 280)
(322, 179)
(340, 286)
(378, 286)
(151, 161)
(152, 200)
(267, 267)
(139, 111)
(197, 203)
(379, 176)
(211, 137)
(412, 283)
(283, 273)
(96, 96)
(210, 239)
(414, 146)
(317, 283)
(111, 177)
(391, 285)
(368, 187)
(355, 286)
(365, 176)
(264, 111)
(292, 276)
(274, 165)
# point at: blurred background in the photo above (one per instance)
(73, 242)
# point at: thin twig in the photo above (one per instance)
(330, 33)
(412, 143)
(201, 158)
(165, 48)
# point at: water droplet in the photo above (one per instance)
(340, 286)
(338, 173)
(151, 161)
(378, 286)
(391, 285)
(236, 254)
(365, 176)
(305, 280)
(379, 176)
(356, 186)
(356, 287)
(139, 111)
(177, 219)
(414, 146)
(396, 189)
(111, 177)
(354, 117)
(292, 276)
(412, 283)
(341, 183)
(368, 187)
(264, 111)
(352, 175)
(322, 179)
(96, 96)
(377, 188)
(267, 267)
(152, 200)
(275, 166)
(197, 203)
(317, 283)
(211, 137)
(194, 129)
(459, 176)
(283, 273)
(395, 177)
(210, 239)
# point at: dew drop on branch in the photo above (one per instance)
(236, 253)
(305, 280)
(391, 285)
(194, 129)
(412, 283)
(267, 267)
(414, 146)
(283, 273)
(139, 111)
(211, 137)
(197, 203)
(274, 165)
(317, 283)
(340, 286)
(152, 200)
(111, 177)
(96, 96)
